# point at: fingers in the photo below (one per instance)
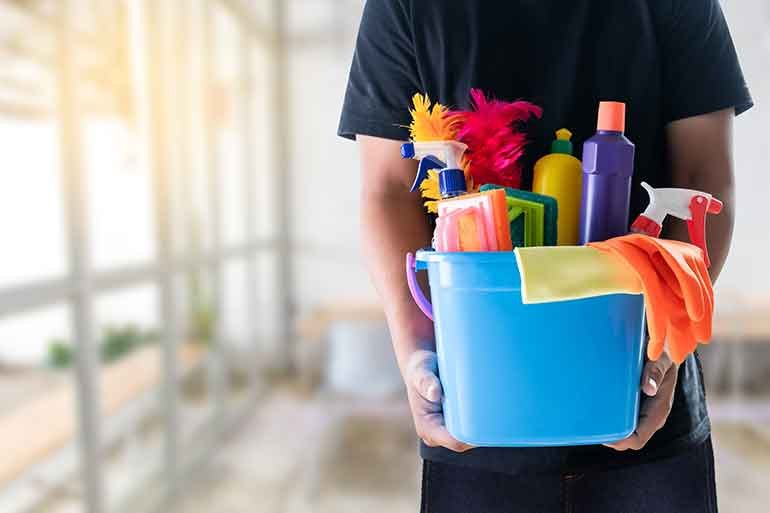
(421, 376)
(654, 413)
(654, 373)
(434, 434)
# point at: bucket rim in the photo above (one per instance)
(502, 257)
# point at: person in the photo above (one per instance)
(674, 64)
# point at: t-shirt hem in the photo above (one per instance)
(355, 124)
(740, 105)
(670, 449)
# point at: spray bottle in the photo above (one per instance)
(688, 205)
(444, 156)
(608, 164)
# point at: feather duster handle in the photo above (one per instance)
(495, 142)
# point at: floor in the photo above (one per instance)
(299, 456)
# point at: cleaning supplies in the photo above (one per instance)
(551, 274)
(608, 164)
(493, 222)
(559, 175)
(547, 231)
(463, 229)
(688, 205)
(533, 215)
(493, 131)
(678, 294)
(431, 122)
(442, 155)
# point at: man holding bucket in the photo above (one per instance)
(673, 62)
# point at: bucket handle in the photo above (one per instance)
(414, 287)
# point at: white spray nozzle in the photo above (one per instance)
(686, 204)
(449, 152)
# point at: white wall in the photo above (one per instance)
(325, 168)
(746, 272)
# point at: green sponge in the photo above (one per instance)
(544, 234)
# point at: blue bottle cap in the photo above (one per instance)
(451, 183)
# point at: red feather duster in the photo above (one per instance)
(495, 142)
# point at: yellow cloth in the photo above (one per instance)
(561, 273)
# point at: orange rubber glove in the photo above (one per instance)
(678, 294)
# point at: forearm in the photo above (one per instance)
(701, 158)
(392, 224)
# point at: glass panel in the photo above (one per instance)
(237, 335)
(120, 195)
(266, 319)
(265, 167)
(119, 200)
(31, 210)
(131, 377)
(226, 86)
(195, 391)
(37, 382)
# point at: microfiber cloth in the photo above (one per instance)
(678, 293)
(551, 212)
(562, 273)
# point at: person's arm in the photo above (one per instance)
(701, 158)
(393, 222)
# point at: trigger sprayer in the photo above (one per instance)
(444, 156)
(688, 205)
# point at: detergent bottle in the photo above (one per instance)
(608, 164)
(559, 176)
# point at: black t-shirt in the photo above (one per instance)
(667, 59)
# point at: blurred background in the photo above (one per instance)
(185, 317)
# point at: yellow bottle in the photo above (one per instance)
(560, 175)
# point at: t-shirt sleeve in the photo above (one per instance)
(701, 71)
(383, 76)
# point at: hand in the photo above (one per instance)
(659, 383)
(424, 392)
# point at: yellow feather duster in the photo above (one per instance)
(434, 123)
(430, 191)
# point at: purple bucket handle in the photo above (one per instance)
(414, 287)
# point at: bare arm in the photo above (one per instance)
(701, 158)
(393, 223)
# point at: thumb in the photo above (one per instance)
(654, 372)
(422, 377)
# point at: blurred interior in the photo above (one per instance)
(186, 323)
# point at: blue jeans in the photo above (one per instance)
(680, 484)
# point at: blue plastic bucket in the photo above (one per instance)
(563, 373)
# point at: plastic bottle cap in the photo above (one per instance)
(612, 117)
(451, 183)
(562, 143)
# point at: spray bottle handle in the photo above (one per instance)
(700, 207)
(414, 287)
(426, 164)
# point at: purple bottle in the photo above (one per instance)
(608, 164)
